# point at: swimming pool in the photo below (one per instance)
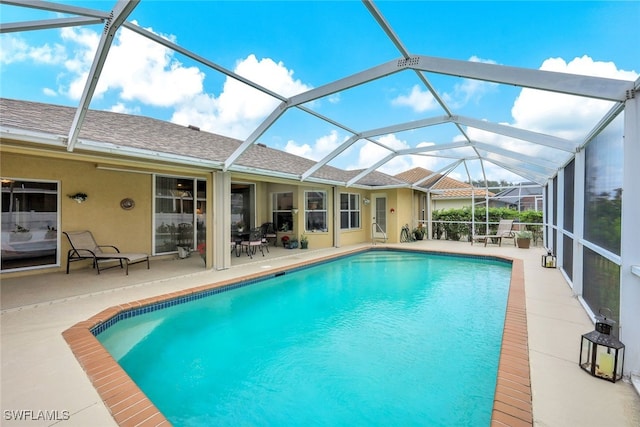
(381, 337)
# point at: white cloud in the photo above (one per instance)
(139, 69)
(49, 92)
(421, 100)
(239, 108)
(123, 109)
(418, 100)
(565, 116)
(15, 49)
(469, 90)
(370, 153)
(321, 147)
(334, 99)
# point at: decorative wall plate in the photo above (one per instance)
(127, 204)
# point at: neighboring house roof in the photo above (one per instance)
(526, 189)
(449, 188)
(144, 137)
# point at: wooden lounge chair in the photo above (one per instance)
(504, 231)
(84, 246)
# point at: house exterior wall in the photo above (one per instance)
(101, 213)
(129, 230)
(439, 204)
(133, 230)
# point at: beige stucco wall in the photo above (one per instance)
(129, 230)
(132, 230)
(101, 213)
(439, 204)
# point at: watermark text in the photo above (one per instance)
(35, 415)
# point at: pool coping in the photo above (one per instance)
(129, 406)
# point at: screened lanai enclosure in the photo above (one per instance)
(589, 178)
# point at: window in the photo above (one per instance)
(30, 221)
(180, 205)
(242, 206)
(315, 213)
(282, 216)
(349, 211)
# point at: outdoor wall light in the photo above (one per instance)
(79, 197)
(392, 210)
(294, 211)
(602, 354)
(366, 201)
(549, 260)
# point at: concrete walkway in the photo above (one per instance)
(43, 383)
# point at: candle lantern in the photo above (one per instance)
(549, 260)
(602, 354)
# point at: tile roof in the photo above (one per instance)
(156, 136)
(451, 188)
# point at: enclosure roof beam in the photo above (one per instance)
(371, 133)
(266, 124)
(513, 132)
(524, 165)
(60, 8)
(448, 168)
(514, 155)
(371, 169)
(46, 24)
(532, 176)
(570, 84)
(119, 14)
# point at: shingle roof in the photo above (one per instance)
(451, 188)
(157, 136)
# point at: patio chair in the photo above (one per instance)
(269, 233)
(253, 242)
(504, 231)
(84, 246)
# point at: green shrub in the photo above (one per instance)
(462, 217)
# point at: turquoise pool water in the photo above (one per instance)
(378, 338)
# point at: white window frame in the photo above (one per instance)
(311, 208)
(355, 208)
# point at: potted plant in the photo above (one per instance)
(523, 239)
(304, 242)
(419, 232)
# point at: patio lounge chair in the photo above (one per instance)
(84, 246)
(504, 231)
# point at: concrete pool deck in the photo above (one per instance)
(40, 373)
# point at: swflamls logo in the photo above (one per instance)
(36, 415)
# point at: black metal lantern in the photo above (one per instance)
(602, 354)
(549, 260)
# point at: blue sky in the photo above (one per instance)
(293, 46)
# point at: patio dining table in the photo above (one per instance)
(236, 240)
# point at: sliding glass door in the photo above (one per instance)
(180, 209)
(30, 220)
